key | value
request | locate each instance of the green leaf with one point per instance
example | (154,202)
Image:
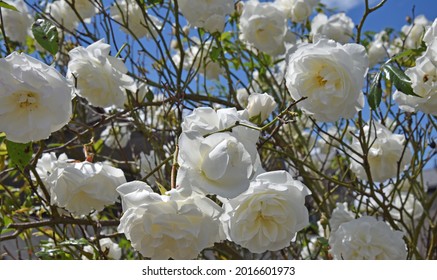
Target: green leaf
(401,81)
(375,94)
(225,36)
(8,6)
(214,54)
(98,146)
(46,35)
(20,154)
(150,96)
(74,242)
(161,188)
(2,136)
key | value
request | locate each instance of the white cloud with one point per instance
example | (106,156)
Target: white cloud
(344,5)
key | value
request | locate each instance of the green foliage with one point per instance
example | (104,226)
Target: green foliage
(20,154)
(375,94)
(401,81)
(5,5)
(46,35)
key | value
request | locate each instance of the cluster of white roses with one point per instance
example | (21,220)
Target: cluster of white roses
(71,13)
(217,156)
(37,98)
(79,187)
(221,188)
(423,77)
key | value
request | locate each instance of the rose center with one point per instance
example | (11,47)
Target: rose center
(321,81)
(27,100)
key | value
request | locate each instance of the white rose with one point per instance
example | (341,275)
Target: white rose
(367,239)
(206,120)
(100,78)
(197,59)
(47,165)
(116,136)
(341,214)
(331,76)
(62,12)
(264,27)
(209,14)
(414,33)
(242,97)
(423,78)
(17,24)
(216,164)
(260,106)
(168,226)
(386,150)
(128,13)
(338,27)
(35,99)
(269,214)
(297,10)
(431,33)
(85,186)
(378,49)
(112,250)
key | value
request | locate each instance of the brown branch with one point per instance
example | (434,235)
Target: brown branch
(367,12)
(20,227)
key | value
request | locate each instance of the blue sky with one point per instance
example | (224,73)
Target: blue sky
(392,14)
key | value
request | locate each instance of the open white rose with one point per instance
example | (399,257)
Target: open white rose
(130,15)
(62,12)
(338,27)
(367,239)
(236,151)
(297,10)
(17,24)
(260,106)
(35,99)
(99,77)
(209,14)
(264,27)
(85,186)
(331,76)
(423,78)
(168,226)
(386,152)
(269,214)
(217,164)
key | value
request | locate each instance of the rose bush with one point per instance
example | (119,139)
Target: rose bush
(229,129)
